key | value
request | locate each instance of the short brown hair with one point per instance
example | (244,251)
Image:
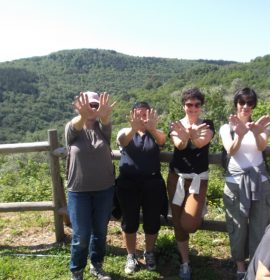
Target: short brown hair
(192,93)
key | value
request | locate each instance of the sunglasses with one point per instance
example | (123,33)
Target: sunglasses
(249,103)
(191,105)
(94,105)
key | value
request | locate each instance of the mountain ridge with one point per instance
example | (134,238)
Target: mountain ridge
(36,93)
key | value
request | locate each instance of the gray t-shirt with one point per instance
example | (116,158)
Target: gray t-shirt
(90,165)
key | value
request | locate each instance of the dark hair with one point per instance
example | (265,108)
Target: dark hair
(192,93)
(248,92)
(141,104)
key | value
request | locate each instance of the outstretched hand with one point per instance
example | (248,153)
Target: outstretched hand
(151,120)
(196,131)
(237,125)
(136,121)
(105,108)
(260,125)
(81,104)
(256,127)
(177,129)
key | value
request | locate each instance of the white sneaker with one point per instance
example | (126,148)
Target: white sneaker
(185,271)
(97,271)
(131,264)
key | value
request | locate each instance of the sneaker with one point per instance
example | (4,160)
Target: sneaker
(150,261)
(77,275)
(240,275)
(96,270)
(185,271)
(131,264)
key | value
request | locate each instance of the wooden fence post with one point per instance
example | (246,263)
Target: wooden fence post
(57,185)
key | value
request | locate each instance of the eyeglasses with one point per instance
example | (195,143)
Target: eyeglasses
(196,105)
(94,105)
(249,103)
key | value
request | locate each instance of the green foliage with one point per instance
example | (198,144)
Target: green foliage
(263,108)
(36,93)
(217,109)
(166,247)
(24,179)
(215,186)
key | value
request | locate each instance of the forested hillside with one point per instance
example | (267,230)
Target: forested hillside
(36,93)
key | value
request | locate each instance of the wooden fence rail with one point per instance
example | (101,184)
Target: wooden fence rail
(59,204)
(59,199)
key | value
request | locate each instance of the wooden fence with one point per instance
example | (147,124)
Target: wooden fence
(59,205)
(59,199)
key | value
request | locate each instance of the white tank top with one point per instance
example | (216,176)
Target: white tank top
(248,154)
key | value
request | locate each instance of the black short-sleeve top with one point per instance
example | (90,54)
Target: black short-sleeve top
(140,156)
(191,159)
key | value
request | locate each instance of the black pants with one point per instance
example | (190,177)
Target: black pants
(134,194)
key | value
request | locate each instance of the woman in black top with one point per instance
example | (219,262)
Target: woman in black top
(140,184)
(188,173)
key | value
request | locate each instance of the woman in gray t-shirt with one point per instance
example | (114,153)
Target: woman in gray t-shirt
(90,182)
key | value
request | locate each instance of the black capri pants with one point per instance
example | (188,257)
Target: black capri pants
(141,192)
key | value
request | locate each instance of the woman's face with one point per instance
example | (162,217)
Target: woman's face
(192,107)
(245,106)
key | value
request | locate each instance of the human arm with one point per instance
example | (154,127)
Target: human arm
(179,135)
(127,134)
(262,272)
(260,263)
(200,135)
(232,144)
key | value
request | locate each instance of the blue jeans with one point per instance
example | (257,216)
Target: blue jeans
(89,214)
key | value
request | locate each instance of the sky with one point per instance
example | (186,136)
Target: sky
(235,30)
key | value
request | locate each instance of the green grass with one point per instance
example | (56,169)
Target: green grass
(43,259)
(27,242)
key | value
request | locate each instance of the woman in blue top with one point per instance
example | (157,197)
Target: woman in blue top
(188,173)
(140,184)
